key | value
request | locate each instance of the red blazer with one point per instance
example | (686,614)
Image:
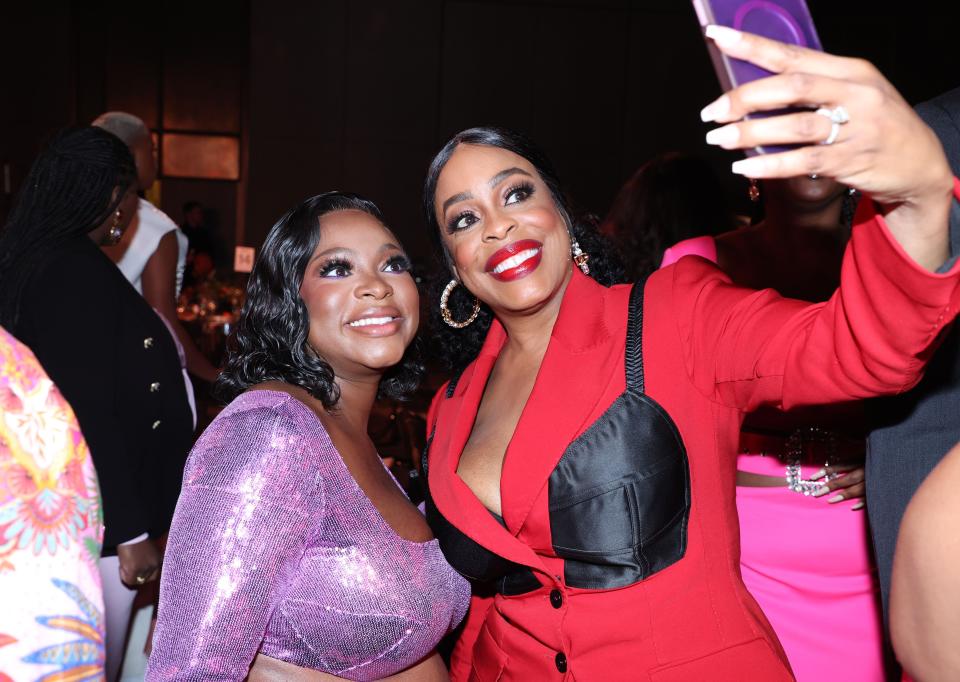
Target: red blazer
(712,352)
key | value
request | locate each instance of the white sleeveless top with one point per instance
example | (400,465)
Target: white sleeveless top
(140,242)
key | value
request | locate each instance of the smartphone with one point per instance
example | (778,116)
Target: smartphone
(788,21)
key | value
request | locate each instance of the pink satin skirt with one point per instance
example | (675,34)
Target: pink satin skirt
(809,565)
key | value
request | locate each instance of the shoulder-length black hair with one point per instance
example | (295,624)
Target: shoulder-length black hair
(456,348)
(76,182)
(270,342)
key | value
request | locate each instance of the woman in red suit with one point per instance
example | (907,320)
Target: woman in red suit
(582,459)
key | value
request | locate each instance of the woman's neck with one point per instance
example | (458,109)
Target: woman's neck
(528,332)
(796,252)
(352,412)
(793,223)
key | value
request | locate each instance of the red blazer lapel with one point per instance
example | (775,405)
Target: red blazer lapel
(573,377)
(457,503)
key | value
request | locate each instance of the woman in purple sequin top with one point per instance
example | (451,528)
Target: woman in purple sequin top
(293,553)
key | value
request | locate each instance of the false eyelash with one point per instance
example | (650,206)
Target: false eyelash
(332,264)
(402,261)
(452,223)
(525,186)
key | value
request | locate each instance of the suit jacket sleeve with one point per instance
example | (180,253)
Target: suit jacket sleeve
(77,317)
(943,115)
(748,348)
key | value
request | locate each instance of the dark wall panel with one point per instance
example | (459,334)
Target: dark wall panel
(390,106)
(38,86)
(133,72)
(358,95)
(554,72)
(343,98)
(295,114)
(204,65)
(669,80)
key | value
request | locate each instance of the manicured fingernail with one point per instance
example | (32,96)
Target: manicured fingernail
(749,167)
(726,136)
(722,35)
(822,490)
(835,498)
(858,505)
(820,474)
(717,108)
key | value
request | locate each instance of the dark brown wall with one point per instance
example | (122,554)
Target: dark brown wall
(345,97)
(358,94)
(67,62)
(37,85)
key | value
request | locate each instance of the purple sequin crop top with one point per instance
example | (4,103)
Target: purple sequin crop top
(275,549)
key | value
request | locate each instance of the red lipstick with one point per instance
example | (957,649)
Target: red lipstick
(515,260)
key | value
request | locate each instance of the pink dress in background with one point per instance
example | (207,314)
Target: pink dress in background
(807,563)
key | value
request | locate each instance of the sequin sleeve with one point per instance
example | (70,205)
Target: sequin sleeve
(249,505)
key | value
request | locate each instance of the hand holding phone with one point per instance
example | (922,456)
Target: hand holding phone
(880,146)
(786,21)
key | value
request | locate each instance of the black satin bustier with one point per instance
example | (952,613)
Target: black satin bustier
(619,497)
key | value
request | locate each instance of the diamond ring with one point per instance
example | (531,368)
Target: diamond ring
(838,116)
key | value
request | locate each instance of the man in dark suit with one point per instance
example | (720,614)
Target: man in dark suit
(912,433)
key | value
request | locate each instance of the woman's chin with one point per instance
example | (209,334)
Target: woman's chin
(382,361)
(526,295)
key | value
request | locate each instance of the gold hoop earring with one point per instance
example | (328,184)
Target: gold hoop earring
(116,232)
(445,311)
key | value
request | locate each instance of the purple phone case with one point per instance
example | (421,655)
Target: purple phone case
(788,21)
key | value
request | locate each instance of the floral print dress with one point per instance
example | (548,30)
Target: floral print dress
(51,529)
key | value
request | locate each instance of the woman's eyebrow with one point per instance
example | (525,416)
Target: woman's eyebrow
(499,177)
(492,182)
(328,252)
(456,198)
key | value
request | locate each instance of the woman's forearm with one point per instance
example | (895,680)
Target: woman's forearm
(197,363)
(920,227)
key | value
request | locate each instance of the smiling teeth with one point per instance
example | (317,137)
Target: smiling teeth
(367,321)
(514,261)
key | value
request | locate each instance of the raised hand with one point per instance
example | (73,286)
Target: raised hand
(877,143)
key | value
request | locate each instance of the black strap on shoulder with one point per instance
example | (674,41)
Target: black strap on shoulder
(634,350)
(452,386)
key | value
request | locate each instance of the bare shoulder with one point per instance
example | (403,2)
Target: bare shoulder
(738,250)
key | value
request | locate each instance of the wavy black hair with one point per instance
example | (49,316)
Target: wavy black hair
(456,348)
(76,182)
(270,341)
